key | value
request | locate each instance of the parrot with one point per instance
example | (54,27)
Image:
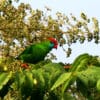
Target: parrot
(37,52)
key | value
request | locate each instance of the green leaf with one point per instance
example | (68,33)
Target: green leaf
(83,16)
(64,77)
(80,62)
(67,96)
(29,79)
(54,76)
(39,76)
(90,76)
(19,79)
(4,78)
(88,81)
(27,86)
(98,85)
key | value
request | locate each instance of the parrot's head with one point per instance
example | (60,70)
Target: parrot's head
(54,42)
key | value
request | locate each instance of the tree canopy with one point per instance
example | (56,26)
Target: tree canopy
(21,26)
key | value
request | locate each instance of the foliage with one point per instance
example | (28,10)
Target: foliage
(83,76)
(50,81)
(33,83)
(4,78)
(21,26)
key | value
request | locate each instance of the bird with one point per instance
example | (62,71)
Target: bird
(37,52)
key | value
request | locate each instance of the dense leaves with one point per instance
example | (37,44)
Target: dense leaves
(5,83)
(46,80)
(34,82)
(84,73)
(21,26)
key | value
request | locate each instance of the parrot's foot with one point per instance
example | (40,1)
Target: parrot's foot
(68,66)
(25,66)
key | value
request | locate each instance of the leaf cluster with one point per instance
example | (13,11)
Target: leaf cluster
(51,81)
(21,26)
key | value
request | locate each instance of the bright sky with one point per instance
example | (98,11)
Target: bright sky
(89,7)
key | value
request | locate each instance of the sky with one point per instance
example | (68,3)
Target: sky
(89,7)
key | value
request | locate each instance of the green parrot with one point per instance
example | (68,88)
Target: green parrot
(37,52)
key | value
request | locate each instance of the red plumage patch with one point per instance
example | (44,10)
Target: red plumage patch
(53,40)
